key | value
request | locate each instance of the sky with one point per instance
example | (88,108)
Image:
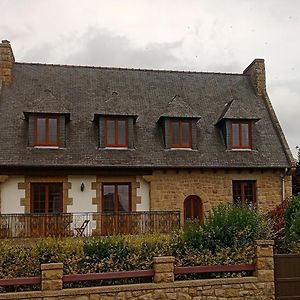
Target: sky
(191,35)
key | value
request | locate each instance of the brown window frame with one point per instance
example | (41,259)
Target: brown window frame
(116,204)
(180,145)
(242,186)
(116,143)
(46,118)
(240,137)
(46,184)
(192,199)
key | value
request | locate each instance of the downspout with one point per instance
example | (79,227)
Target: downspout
(282,176)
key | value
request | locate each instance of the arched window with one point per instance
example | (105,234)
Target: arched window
(193,210)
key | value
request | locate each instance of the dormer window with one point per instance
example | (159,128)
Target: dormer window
(241,137)
(180,134)
(46,131)
(116,132)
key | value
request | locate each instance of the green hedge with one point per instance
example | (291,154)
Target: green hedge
(225,237)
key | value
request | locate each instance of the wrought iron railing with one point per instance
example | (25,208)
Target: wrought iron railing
(87,224)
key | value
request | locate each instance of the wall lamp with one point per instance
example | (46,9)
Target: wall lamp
(82,187)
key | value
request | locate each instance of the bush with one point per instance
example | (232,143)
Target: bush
(225,237)
(228,226)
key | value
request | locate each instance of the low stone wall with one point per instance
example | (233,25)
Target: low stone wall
(260,286)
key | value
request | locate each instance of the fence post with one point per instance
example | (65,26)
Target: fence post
(52,275)
(265,266)
(163,269)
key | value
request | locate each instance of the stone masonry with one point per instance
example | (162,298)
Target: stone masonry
(168,189)
(6,61)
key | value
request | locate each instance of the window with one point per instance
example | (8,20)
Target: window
(46,198)
(116,132)
(116,197)
(180,134)
(46,131)
(241,135)
(193,210)
(244,192)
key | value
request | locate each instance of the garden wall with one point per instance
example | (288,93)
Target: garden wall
(259,286)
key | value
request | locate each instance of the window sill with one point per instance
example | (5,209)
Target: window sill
(242,150)
(115,148)
(180,149)
(46,147)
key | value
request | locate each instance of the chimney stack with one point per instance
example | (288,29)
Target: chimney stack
(6,62)
(256,72)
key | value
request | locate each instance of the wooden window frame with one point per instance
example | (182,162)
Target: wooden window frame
(116,205)
(116,143)
(180,145)
(47,143)
(240,137)
(46,184)
(242,185)
(200,203)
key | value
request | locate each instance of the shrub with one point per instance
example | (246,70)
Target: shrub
(228,226)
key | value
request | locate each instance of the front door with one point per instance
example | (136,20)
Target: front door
(193,209)
(46,208)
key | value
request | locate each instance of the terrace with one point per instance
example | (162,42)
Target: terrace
(87,224)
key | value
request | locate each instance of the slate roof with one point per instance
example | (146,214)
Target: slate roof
(85,91)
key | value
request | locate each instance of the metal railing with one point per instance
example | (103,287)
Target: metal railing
(87,224)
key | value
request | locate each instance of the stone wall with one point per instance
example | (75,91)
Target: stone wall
(170,188)
(260,286)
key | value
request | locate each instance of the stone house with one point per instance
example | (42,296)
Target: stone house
(78,139)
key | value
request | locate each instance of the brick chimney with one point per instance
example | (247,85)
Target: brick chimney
(6,62)
(256,72)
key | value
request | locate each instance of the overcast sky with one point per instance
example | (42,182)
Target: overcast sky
(195,35)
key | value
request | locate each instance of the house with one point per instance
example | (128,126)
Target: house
(77,139)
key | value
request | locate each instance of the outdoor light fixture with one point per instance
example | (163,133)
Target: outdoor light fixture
(82,187)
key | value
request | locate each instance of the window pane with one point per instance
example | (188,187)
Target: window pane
(196,209)
(41,131)
(39,197)
(108,198)
(175,133)
(249,193)
(237,192)
(235,135)
(188,209)
(245,134)
(122,132)
(123,198)
(185,127)
(110,132)
(54,205)
(52,129)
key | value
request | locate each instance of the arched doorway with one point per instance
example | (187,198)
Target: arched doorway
(193,209)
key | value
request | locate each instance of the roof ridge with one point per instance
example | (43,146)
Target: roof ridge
(131,69)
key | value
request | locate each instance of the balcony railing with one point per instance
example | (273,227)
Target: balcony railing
(87,224)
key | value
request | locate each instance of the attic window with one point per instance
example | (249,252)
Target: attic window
(116,132)
(180,134)
(241,137)
(46,131)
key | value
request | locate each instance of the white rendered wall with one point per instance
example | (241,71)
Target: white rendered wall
(144,192)
(11,195)
(82,201)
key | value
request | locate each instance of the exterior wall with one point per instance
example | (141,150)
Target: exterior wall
(82,200)
(168,189)
(144,193)
(10,195)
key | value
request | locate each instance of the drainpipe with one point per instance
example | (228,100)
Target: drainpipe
(282,176)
